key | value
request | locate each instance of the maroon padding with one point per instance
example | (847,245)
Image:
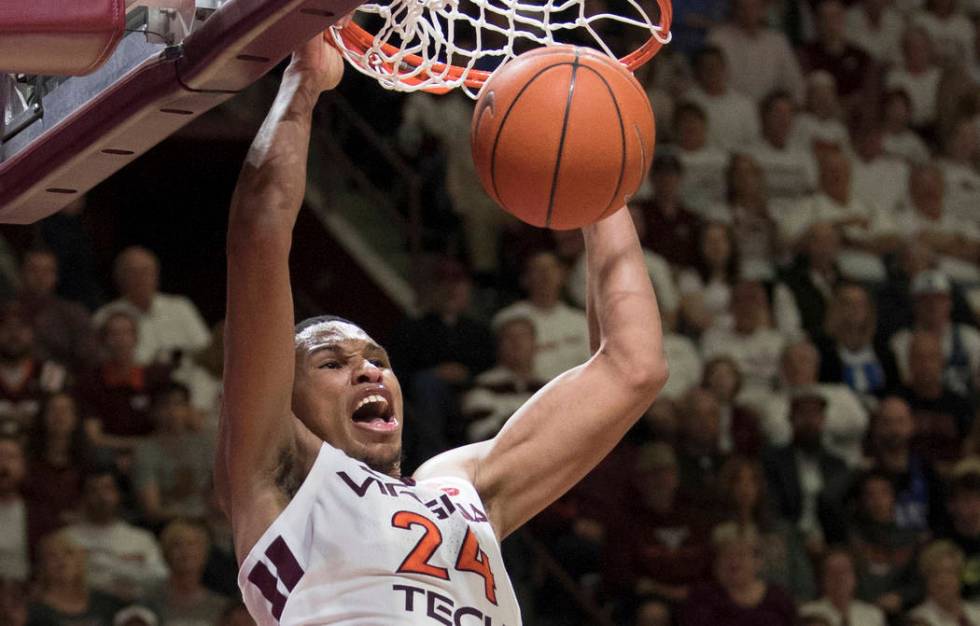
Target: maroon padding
(59,37)
(233,49)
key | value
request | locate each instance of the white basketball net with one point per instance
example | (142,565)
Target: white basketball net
(435,32)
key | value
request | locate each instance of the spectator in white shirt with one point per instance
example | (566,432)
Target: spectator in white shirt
(898,139)
(960,172)
(879,180)
(846,418)
(941,566)
(838,602)
(749,340)
(875,27)
(170,325)
(755,232)
(703,165)
(820,125)
(733,118)
(123,560)
(918,76)
(790,173)
(706,288)
(760,58)
(498,392)
(950,30)
(867,234)
(562,331)
(925,218)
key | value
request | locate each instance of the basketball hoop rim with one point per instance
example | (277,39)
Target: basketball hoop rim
(358,41)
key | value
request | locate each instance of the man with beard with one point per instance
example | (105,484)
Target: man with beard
(807,483)
(24,379)
(326,529)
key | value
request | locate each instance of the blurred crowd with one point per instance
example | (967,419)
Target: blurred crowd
(811,224)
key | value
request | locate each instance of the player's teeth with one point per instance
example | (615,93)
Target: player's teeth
(369,399)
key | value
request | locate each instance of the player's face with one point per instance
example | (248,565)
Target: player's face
(347,394)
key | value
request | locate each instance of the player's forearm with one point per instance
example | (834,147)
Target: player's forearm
(272,183)
(624,306)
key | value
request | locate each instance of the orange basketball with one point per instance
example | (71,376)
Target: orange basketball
(562,136)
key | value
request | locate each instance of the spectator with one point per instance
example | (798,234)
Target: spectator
(790,173)
(123,560)
(812,277)
(686,366)
(884,552)
(851,68)
(942,417)
(849,350)
(839,583)
(236,615)
(660,547)
(63,330)
(135,615)
(941,566)
(875,26)
(878,179)
(699,456)
(183,600)
(821,125)
(750,341)
(918,77)
(437,355)
(703,164)
(15,544)
(807,482)
(917,489)
(562,331)
(958,164)
(13,602)
(58,453)
(760,57)
(866,233)
(899,139)
(753,227)
(926,218)
(738,424)
(706,288)
(68,236)
(846,418)
(498,392)
(744,501)
(63,597)
(733,120)
(960,343)
(116,395)
(24,378)
(173,467)
(964,531)
(651,612)
(949,29)
(169,325)
(737,596)
(671,228)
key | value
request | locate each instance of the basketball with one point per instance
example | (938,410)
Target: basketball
(562,136)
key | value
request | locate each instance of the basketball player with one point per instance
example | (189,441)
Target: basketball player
(326,529)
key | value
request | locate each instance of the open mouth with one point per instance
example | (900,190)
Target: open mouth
(375,412)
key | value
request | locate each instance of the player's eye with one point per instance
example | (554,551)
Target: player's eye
(378,363)
(330,365)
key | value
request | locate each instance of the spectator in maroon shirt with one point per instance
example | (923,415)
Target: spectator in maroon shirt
(672,229)
(117,393)
(850,66)
(57,456)
(659,547)
(63,329)
(738,596)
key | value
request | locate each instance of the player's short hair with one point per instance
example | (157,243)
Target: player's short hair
(320,319)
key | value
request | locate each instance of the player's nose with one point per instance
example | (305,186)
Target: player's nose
(368,372)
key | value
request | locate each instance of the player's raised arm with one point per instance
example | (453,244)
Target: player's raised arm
(571,424)
(259,347)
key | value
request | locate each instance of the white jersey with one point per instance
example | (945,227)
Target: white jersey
(355,546)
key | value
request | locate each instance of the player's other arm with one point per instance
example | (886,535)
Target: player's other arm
(571,424)
(259,345)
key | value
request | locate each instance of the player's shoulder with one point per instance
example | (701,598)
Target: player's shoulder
(459,463)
